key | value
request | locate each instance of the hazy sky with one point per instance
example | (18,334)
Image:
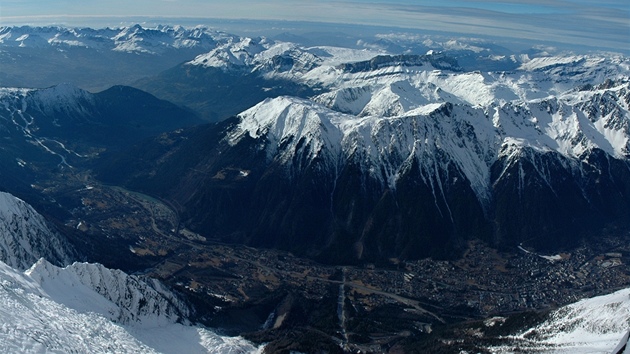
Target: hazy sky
(603,23)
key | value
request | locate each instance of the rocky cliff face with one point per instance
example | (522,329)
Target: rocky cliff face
(25,236)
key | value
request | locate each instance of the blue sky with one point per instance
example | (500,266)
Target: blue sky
(604,23)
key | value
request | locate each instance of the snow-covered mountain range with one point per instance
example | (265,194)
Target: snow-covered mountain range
(382,79)
(386,124)
(436,152)
(531,76)
(473,137)
(345,155)
(95,59)
(131,39)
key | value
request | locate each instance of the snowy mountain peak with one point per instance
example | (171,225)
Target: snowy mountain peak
(64,97)
(235,52)
(291,126)
(26,236)
(261,55)
(383,146)
(388,132)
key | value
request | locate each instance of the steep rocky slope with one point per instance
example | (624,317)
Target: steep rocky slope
(25,236)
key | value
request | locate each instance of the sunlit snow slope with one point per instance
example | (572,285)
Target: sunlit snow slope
(593,325)
(70,310)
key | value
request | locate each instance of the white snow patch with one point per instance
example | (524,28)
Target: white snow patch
(593,325)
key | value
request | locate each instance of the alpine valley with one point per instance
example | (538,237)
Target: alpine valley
(400,193)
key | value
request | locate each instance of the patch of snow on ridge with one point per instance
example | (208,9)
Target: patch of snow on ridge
(334,56)
(547,61)
(291,123)
(351,100)
(593,325)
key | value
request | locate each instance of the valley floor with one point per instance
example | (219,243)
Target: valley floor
(267,293)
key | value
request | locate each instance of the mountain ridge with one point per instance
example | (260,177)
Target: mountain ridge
(473,162)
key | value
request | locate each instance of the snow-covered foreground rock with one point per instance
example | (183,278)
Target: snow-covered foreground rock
(120,297)
(593,325)
(83,307)
(70,310)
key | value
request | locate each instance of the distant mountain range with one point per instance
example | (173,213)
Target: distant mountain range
(95,59)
